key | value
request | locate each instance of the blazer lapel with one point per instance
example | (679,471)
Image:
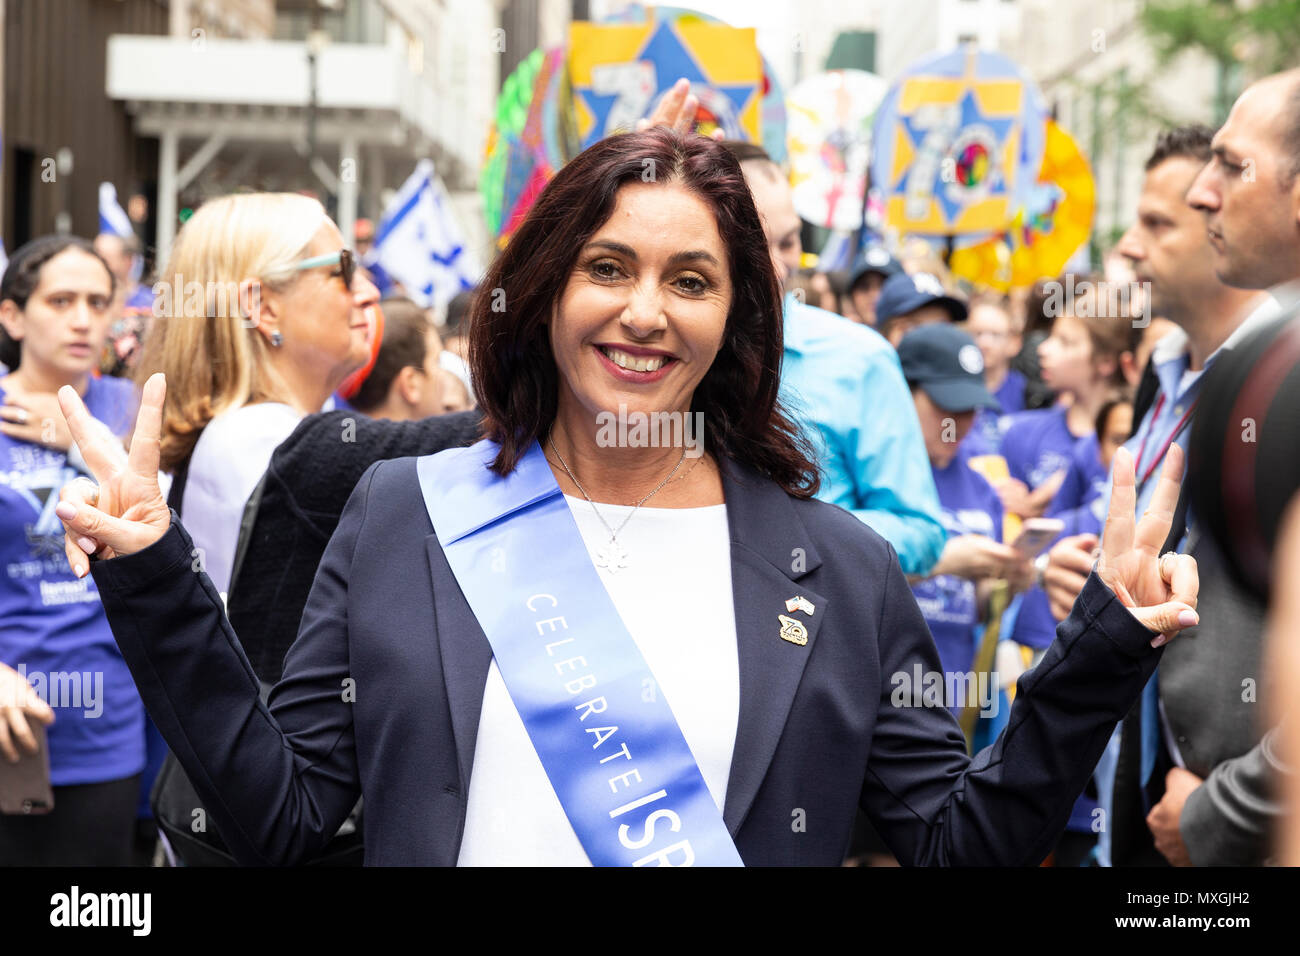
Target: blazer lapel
(466,656)
(770,551)
(467,496)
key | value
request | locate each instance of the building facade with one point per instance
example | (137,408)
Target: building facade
(174,101)
(62,134)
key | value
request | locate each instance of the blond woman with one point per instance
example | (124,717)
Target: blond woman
(259,320)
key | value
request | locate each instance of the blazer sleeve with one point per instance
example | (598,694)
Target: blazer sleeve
(935,806)
(278,780)
(1231,818)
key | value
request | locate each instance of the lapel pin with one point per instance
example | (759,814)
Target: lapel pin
(793,631)
(799,603)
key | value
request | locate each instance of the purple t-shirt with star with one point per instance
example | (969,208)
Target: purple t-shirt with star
(52,626)
(970,506)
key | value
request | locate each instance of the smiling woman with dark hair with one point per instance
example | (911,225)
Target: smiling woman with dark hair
(587,640)
(574,245)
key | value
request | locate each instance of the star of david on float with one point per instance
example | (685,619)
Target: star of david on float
(971,122)
(671,59)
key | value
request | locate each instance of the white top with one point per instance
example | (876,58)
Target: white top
(228,461)
(675,598)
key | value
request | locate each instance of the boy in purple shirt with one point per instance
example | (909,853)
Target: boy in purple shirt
(944,370)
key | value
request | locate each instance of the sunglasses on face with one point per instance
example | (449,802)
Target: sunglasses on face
(344,258)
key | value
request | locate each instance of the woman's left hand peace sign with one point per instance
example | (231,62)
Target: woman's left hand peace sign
(1159,590)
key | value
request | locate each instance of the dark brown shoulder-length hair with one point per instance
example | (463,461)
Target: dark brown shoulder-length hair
(515,376)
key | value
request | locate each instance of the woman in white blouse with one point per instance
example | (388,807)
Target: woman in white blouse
(261,318)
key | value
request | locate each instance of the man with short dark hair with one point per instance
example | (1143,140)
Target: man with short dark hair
(1182,779)
(406,383)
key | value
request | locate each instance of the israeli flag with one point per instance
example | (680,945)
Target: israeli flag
(837,253)
(112,217)
(420,245)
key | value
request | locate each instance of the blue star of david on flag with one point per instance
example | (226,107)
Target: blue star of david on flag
(419,244)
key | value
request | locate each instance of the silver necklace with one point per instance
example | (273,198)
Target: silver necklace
(613,555)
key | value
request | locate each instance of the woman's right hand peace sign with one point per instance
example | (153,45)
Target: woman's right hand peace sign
(1160,590)
(127,512)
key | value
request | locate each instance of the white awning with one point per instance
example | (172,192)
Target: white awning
(220,91)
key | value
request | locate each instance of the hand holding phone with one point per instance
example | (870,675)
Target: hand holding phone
(1036,534)
(24,755)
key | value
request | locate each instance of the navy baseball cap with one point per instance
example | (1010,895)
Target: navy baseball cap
(903,293)
(874,258)
(947,365)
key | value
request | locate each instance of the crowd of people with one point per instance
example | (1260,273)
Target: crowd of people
(268,535)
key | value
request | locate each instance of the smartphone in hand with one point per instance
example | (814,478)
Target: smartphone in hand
(1036,534)
(25,785)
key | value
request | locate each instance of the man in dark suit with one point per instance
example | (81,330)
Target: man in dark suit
(1213,804)
(1193,767)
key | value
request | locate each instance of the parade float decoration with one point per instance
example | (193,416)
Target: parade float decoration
(1046,232)
(829,120)
(609,75)
(957,144)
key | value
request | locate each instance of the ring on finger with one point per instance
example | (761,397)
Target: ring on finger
(92,491)
(1167,562)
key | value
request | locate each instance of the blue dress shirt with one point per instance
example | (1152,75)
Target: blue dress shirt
(843,383)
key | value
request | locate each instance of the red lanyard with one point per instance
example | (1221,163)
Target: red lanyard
(1178,430)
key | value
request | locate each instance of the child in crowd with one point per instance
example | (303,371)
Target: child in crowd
(994,331)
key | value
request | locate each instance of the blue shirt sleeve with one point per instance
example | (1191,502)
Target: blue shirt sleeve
(1070,494)
(993,504)
(1076,502)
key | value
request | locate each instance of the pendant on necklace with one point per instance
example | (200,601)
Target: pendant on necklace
(611,557)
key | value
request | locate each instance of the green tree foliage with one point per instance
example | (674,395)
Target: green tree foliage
(1262,36)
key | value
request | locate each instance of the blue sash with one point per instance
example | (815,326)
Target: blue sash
(613,752)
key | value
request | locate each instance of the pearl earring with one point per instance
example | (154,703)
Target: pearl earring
(277,339)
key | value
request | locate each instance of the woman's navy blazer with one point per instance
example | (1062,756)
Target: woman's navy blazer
(382,692)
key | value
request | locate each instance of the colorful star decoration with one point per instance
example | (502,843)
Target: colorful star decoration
(957,141)
(971,165)
(620,72)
